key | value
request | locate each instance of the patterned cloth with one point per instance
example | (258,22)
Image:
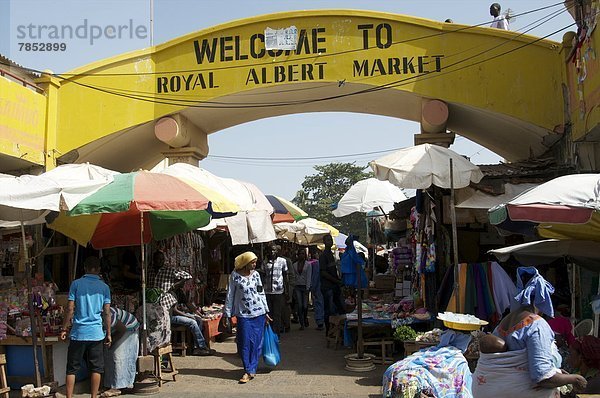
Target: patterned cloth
(167,277)
(245,296)
(436,372)
(167,300)
(274,275)
(164,280)
(158,325)
(129,320)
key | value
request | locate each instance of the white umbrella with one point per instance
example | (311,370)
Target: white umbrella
(583,252)
(367,194)
(252,224)
(306,232)
(422,166)
(29,197)
(26,199)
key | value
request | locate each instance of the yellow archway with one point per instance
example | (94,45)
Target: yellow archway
(503,90)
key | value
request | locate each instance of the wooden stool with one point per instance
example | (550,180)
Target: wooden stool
(383,343)
(4,388)
(157,354)
(335,334)
(179,339)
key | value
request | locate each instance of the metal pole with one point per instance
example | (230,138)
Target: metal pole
(596,316)
(454,238)
(32,317)
(143,255)
(360,349)
(74,271)
(151,23)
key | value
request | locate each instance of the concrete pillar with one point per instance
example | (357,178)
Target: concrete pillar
(50,85)
(434,118)
(187,142)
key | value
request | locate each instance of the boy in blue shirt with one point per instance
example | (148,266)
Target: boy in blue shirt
(89,308)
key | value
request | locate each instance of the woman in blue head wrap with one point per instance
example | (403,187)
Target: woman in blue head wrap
(528,368)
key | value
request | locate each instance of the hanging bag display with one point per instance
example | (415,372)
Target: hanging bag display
(270,349)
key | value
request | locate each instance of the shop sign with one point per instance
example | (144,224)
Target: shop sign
(310,44)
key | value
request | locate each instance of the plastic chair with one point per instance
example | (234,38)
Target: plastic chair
(584,328)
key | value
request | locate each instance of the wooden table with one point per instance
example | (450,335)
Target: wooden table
(210,329)
(52,362)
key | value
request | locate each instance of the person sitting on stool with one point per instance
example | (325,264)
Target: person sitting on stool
(189,319)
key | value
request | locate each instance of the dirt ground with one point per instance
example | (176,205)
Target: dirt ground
(307,369)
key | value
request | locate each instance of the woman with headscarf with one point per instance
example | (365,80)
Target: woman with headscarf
(246,301)
(529,367)
(584,357)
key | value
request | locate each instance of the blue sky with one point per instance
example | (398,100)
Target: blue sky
(321,134)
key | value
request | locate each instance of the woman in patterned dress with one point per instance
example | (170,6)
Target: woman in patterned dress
(246,301)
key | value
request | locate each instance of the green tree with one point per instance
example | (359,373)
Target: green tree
(321,191)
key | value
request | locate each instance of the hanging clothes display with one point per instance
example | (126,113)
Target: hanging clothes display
(424,239)
(486,290)
(184,252)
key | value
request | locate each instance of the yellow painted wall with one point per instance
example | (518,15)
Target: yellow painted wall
(583,81)
(22,122)
(339,45)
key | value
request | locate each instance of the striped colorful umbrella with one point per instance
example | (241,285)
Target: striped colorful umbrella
(142,203)
(566,207)
(284,210)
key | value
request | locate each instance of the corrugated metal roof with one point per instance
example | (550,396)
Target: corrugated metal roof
(542,168)
(17,69)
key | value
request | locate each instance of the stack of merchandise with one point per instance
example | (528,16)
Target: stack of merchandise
(406,313)
(14,307)
(401,259)
(430,338)
(401,262)
(214,311)
(3,318)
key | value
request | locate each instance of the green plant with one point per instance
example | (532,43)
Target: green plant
(404,333)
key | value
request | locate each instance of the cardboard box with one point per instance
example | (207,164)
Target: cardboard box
(385,281)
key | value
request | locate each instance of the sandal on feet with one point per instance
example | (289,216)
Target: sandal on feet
(113,392)
(245,378)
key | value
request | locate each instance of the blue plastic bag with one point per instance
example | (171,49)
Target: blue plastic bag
(270,349)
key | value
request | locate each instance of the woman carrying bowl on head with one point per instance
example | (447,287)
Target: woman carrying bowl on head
(246,301)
